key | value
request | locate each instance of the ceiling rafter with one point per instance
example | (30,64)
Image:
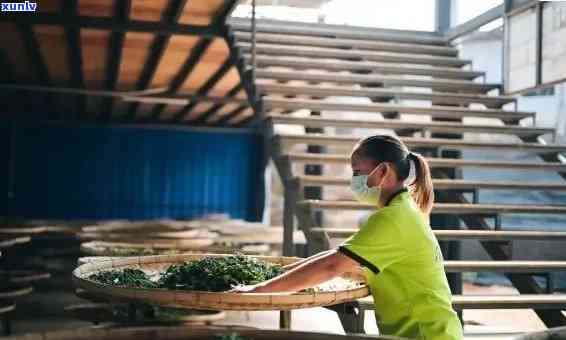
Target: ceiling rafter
(158,46)
(230,94)
(121,13)
(74,55)
(196,54)
(103,23)
(33,51)
(210,83)
(224,120)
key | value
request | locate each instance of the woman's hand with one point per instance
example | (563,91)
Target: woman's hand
(247,289)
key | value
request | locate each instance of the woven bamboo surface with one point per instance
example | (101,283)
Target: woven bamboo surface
(23,276)
(145,238)
(205,300)
(185,333)
(105,312)
(104,248)
(10,241)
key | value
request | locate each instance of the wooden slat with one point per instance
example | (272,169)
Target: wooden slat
(329,91)
(363,66)
(413,142)
(445,208)
(407,125)
(444,184)
(134,53)
(201,12)
(523,301)
(433,162)
(402,124)
(338,31)
(444,84)
(148,10)
(178,48)
(212,59)
(53,44)
(458,234)
(14,48)
(94,50)
(348,43)
(319,52)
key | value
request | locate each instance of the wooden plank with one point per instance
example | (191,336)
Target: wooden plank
(459,234)
(329,91)
(444,208)
(94,50)
(405,124)
(320,52)
(363,66)
(212,59)
(53,45)
(134,53)
(178,48)
(375,45)
(433,162)
(414,142)
(443,184)
(201,12)
(523,301)
(339,31)
(397,124)
(386,81)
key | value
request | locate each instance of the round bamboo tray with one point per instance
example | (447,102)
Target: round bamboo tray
(23,276)
(143,236)
(206,300)
(10,241)
(550,334)
(120,313)
(186,333)
(105,248)
(6,307)
(11,291)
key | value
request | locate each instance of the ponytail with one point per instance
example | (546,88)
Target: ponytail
(421,189)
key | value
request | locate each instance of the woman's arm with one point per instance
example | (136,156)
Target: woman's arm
(300,262)
(309,274)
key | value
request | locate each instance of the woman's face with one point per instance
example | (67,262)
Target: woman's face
(379,172)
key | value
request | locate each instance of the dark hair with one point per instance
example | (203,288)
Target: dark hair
(384,148)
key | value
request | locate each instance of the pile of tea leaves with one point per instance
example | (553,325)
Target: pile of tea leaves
(128,277)
(212,274)
(218,274)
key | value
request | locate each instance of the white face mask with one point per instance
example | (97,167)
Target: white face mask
(362,192)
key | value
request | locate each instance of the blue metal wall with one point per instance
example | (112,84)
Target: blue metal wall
(98,172)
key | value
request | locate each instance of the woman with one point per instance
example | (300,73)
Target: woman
(395,246)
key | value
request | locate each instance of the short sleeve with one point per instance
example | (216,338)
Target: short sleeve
(377,244)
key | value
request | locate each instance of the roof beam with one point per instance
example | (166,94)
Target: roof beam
(74,55)
(210,112)
(111,24)
(158,46)
(114,56)
(33,51)
(224,120)
(210,83)
(195,55)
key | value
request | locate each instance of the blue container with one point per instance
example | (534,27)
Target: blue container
(96,172)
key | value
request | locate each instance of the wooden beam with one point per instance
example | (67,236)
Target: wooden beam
(33,51)
(219,74)
(224,120)
(158,46)
(121,13)
(111,24)
(195,55)
(210,112)
(74,55)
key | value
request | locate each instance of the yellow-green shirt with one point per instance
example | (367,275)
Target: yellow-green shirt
(405,272)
